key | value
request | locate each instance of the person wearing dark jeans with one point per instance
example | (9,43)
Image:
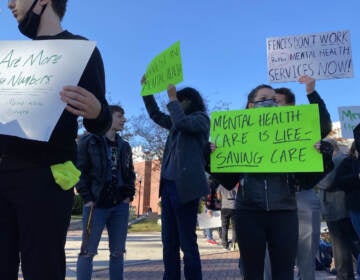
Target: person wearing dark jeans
(182,180)
(346,245)
(266,209)
(180,220)
(345,242)
(263,228)
(227,213)
(347,178)
(226,216)
(29,194)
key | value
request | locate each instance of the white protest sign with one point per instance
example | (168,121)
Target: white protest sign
(206,221)
(349,118)
(32,74)
(321,55)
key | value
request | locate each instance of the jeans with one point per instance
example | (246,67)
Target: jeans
(345,243)
(178,230)
(116,221)
(34,217)
(226,216)
(309,232)
(355,220)
(276,229)
(209,233)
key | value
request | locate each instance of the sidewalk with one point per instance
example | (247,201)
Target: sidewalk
(143,259)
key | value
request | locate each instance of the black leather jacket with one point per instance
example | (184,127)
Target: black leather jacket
(94,164)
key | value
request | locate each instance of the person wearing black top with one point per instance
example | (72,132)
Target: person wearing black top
(107,185)
(347,178)
(29,196)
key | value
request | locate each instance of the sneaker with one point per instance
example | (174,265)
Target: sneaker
(226,248)
(211,241)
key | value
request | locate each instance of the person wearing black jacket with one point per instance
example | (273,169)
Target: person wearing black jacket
(107,185)
(266,209)
(28,192)
(182,180)
(347,178)
(308,202)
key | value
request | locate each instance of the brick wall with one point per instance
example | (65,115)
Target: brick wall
(147,185)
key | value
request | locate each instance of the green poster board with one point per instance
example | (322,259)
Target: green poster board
(164,69)
(277,139)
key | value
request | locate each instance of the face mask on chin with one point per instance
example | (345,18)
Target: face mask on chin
(265,103)
(30,24)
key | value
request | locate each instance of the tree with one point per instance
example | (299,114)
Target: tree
(142,131)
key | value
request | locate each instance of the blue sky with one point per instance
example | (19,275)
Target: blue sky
(223,43)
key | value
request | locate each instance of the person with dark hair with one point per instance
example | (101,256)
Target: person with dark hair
(308,202)
(265,212)
(266,208)
(212,203)
(344,240)
(347,178)
(227,214)
(107,185)
(284,96)
(29,194)
(182,181)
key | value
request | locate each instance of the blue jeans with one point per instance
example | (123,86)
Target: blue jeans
(178,222)
(116,221)
(309,232)
(355,220)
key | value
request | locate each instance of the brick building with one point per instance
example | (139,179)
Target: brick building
(146,184)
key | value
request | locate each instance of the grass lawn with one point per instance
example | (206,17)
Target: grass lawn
(149,224)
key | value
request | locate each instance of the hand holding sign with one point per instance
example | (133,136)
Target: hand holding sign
(32,73)
(80,102)
(171,92)
(309,83)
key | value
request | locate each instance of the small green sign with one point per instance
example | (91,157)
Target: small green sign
(164,69)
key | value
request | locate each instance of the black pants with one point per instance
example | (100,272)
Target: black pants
(345,244)
(278,229)
(226,216)
(34,217)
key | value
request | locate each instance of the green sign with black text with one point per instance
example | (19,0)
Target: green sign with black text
(276,139)
(164,69)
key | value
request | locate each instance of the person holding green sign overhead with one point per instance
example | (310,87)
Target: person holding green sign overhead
(183,181)
(266,209)
(307,201)
(35,188)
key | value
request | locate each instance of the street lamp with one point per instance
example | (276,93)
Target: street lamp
(138,208)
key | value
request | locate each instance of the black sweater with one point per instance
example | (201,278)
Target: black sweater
(61,146)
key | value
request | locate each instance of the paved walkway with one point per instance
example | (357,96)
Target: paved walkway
(143,259)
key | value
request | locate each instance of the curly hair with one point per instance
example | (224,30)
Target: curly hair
(196,101)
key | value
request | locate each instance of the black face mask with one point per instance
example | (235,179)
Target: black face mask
(265,103)
(30,24)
